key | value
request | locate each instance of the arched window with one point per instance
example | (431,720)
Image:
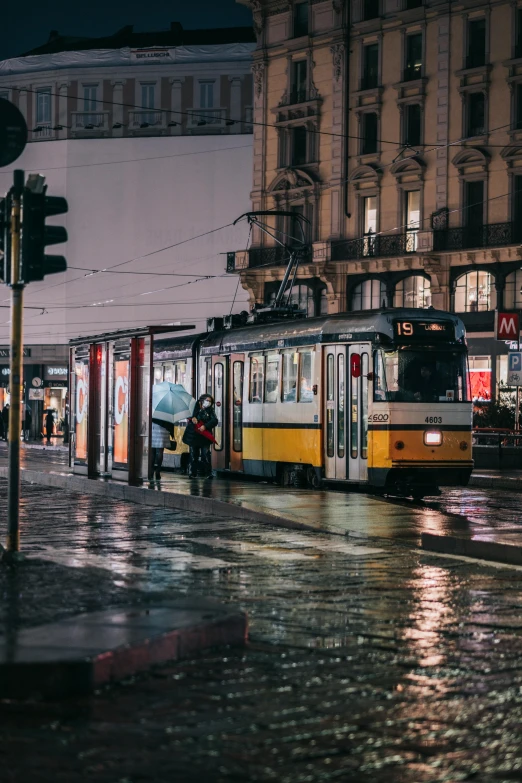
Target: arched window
(475,291)
(369,295)
(305,297)
(413,291)
(513,291)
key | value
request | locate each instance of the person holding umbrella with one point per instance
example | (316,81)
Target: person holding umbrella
(170,405)
(198,435)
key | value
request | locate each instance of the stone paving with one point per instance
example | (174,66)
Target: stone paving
(367,661)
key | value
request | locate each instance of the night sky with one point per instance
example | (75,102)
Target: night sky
(29,23)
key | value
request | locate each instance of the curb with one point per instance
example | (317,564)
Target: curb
(484,482)
(148,497)
(74,656)
(479,549)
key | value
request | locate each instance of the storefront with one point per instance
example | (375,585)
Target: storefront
(45,386)
(111,382)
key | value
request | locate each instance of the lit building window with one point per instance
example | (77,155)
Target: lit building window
(369,295)
(474,292)
(513,291)
(413,291)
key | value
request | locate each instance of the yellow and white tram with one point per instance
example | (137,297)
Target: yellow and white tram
(375,398)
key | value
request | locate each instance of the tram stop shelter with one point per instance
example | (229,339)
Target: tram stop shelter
(111,377)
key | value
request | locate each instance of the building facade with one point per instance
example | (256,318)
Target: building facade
(395,127)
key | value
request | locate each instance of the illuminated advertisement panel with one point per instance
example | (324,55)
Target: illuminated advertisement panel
(480,381)
(121,412)
(82,399)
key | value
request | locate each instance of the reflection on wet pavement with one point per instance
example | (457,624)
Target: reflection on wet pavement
(366,663)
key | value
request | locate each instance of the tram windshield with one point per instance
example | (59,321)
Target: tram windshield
(418,375)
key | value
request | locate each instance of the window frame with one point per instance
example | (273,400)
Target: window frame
(47,91)
(492,294)
(270,355)
(473,60)
(364,70)
(289,352)
(410,74)
(259,358)
(407,107)
(311,353)
(364,137)
(298,32)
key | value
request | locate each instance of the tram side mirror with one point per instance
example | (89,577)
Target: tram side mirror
(355,365)
(370,376)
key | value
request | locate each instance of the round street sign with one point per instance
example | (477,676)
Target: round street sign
(13,133)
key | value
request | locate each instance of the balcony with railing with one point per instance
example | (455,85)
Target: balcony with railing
(209,119)
(375,246)
(471,237)
(89,121)
(147,119)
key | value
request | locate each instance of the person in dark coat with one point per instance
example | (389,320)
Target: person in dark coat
(5,420)
(28,420)
(49,425)
(204,415)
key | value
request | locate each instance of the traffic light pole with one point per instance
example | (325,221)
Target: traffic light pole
(16,374)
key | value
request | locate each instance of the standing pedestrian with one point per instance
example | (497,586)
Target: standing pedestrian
(160,440)
(5,419)
(203,419)
(49,424)
(28,422)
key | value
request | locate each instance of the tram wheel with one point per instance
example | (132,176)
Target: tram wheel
(314,481)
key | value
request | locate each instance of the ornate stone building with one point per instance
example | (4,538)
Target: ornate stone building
(395,127)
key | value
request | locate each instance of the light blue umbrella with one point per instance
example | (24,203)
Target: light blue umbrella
(171,403)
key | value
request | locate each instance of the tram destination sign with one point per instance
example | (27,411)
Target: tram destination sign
(423,330)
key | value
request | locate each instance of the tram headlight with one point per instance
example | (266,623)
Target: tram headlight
(433,438)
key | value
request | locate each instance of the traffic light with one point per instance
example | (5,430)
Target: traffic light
(36,207)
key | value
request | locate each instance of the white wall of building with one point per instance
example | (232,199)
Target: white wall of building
(128,198)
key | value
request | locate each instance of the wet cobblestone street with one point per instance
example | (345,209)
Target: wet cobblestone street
(367,661)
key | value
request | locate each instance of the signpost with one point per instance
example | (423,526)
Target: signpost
(508,328)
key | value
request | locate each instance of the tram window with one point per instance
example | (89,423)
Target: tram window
(364,405)
(290,365)
(330,451)
(272,378)
(306,393)
(420,376)
(181,374)
(205,382)
(237,413)
(218,398)
(168,373)
(379,379)
(340,405)
(257,374)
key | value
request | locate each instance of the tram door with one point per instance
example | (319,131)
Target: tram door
(237,372)
(219,392)
(346,411)
(357,394)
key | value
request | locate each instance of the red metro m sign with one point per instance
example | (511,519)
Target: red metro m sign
(508,327)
